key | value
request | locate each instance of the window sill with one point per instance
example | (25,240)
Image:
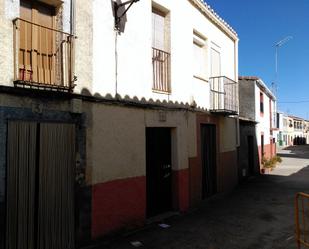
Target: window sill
(161,92)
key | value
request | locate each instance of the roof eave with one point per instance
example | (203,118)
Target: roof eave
(216,19)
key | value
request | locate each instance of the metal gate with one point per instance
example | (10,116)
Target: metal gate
(40,185)
(302,220)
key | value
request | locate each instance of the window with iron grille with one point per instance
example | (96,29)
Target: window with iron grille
(160,51)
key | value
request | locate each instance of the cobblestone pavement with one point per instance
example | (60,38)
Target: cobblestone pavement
(258,214)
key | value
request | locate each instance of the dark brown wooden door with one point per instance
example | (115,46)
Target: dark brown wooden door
(250,155)
(209,160)
(40,186)
(158,171)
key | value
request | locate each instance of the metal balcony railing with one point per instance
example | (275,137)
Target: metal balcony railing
(223,95)
(161,71)
(302,220)
(44,57)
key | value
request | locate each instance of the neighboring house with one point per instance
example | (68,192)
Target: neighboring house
(294,130)
(43,195)
(306,131)
(257,104)
(298,130)
(290,131)
(280,127)
(284,132)
(183,137)
(106,128)
(248,151)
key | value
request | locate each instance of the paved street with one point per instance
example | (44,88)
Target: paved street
(259,214)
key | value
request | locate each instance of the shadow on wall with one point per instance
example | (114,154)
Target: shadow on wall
(135,101)
(248,152)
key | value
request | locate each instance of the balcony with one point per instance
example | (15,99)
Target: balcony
(223,96)
(161,71)
(43,57)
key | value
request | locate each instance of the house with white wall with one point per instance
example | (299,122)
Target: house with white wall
(298,130)
(306,131)
(293,130)
(284,126)
(124,114)
(260,106)
(190,74)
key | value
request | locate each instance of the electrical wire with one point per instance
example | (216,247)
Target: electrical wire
(293,102)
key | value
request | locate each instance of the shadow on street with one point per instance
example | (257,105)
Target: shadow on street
(258,214)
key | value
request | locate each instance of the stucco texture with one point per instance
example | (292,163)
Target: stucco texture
(116,141)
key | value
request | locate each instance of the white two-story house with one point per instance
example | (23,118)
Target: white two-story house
(112,113)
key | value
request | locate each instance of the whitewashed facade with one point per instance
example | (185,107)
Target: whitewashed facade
(170,69)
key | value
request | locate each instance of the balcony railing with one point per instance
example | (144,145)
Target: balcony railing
(161,71)
(43,57)
(223,95)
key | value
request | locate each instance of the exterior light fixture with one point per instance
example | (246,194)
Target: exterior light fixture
(118,16)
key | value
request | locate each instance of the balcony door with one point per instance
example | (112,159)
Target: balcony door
(160,51)
(37,42)
(217,84)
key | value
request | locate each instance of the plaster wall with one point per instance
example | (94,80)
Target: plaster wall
(115,129)
(228,134)
(133,50)
(247,107)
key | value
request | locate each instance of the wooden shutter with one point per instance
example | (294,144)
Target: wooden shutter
(158,31)
(37,43)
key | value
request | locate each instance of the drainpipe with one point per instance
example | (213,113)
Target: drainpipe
(72,15)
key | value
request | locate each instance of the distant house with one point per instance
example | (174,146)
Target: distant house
(284,126)
(257,105)
(297,130)
(306,131)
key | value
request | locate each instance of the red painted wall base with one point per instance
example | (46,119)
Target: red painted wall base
(118,204)
(181,189)
(122,203)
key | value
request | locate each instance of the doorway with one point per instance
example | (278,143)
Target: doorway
(262,146)
(40,185)
(250,155)
(209,160)
(158,171)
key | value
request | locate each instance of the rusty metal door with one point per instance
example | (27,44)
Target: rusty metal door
(40,185)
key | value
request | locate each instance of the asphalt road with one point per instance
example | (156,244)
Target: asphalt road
(258,214)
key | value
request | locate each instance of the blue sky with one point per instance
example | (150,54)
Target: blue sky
(260,24)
